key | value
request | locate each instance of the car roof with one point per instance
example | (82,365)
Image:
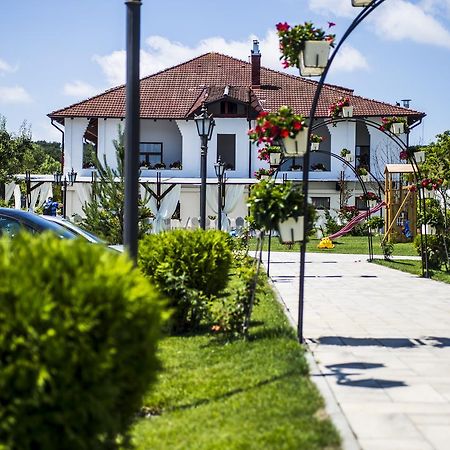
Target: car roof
(36,222)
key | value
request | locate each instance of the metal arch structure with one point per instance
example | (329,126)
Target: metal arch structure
(359,18)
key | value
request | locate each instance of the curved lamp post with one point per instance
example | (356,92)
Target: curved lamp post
(368,8)
(205,125)
(219,168)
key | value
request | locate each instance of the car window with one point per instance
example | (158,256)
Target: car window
(9,227)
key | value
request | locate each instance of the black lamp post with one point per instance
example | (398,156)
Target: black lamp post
(132,115)
(28,188)
(205,125)
(58,179)
(219,168)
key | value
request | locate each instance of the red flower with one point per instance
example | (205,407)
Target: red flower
(282,26)
(263,114)
(284,133)
(404,154)
(285,64)
(412,188)
(297,126)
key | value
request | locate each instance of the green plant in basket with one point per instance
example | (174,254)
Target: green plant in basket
(271,203)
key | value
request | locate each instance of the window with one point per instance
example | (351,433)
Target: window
(226,149)
(150,153)
(89,154)
(321,202)
(362,156)
(228,108)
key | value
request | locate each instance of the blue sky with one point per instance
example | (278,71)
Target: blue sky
(55,53)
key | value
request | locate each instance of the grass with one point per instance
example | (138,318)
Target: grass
(345,244)
(415,268)
(216,393)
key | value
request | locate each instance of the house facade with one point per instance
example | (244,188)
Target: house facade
(234,92)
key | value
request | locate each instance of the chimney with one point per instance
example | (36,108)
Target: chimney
(256,64)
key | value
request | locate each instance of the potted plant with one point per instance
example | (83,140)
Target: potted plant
(284,127)
(361,3)
(319,167)
(363,173)
(340,108)
(346,154)
(315,142)
(394,124)
(143,165)
(371,198)
(271,154)
(176,165)
(305,47)
(159,166)
(296,167)
(280,206)
(263,174)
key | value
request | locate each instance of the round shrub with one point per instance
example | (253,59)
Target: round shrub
(189,267)
(78,333)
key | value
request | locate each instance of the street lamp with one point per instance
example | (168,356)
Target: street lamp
(219,168)
(58,179)
(205,125)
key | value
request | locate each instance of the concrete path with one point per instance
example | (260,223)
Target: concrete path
(380,345)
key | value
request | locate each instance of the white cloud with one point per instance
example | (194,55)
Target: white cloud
(14,94)
(339,8)
(5,67)
(79,89)
(400,20)
(349,59)
(160,53)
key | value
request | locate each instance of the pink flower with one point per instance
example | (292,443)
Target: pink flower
(282,26)
(285,64)
(404,154)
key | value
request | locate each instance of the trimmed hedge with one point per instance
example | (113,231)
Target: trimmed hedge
(189,267)
(78,332)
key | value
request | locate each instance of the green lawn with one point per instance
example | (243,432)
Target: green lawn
(236,394)
(344,244)
(414,267)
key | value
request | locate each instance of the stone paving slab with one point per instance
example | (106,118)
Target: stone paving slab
(380,340)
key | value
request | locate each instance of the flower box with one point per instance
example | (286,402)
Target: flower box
(296,146)
(420,156)
(292,230)
(371,203)
(365,178)
(275,159)
(398,128)
(315,146)
(347,111)
(348,158)
(314,58)
(264,177)
(361,3)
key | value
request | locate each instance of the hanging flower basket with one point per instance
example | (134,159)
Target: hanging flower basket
(264,174)
(305,47)
(275,159)
(371,203)
(347,111)
(340,108)
(315,146)
(361,3)
(296,146)
(314,58)
(346,154)
(275,126)
(396,125)
(292,230)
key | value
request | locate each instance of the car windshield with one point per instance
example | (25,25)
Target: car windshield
(80,231)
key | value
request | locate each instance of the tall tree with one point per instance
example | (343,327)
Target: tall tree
(104,213)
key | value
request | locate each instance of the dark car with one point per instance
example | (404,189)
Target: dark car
(12,221)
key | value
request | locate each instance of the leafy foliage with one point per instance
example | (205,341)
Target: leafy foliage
(77,344)
(190,268)
(436,248)
(104,212)
(271,203)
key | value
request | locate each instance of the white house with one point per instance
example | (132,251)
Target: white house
(234,91)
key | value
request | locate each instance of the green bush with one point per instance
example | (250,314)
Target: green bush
(78,333)
(231,311)
(435,248)
(189,267)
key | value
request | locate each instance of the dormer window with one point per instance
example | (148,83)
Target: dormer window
(227,107)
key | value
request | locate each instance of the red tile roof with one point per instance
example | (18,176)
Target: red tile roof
(175,93)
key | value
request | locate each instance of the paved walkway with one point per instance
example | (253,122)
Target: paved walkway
(380,340)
